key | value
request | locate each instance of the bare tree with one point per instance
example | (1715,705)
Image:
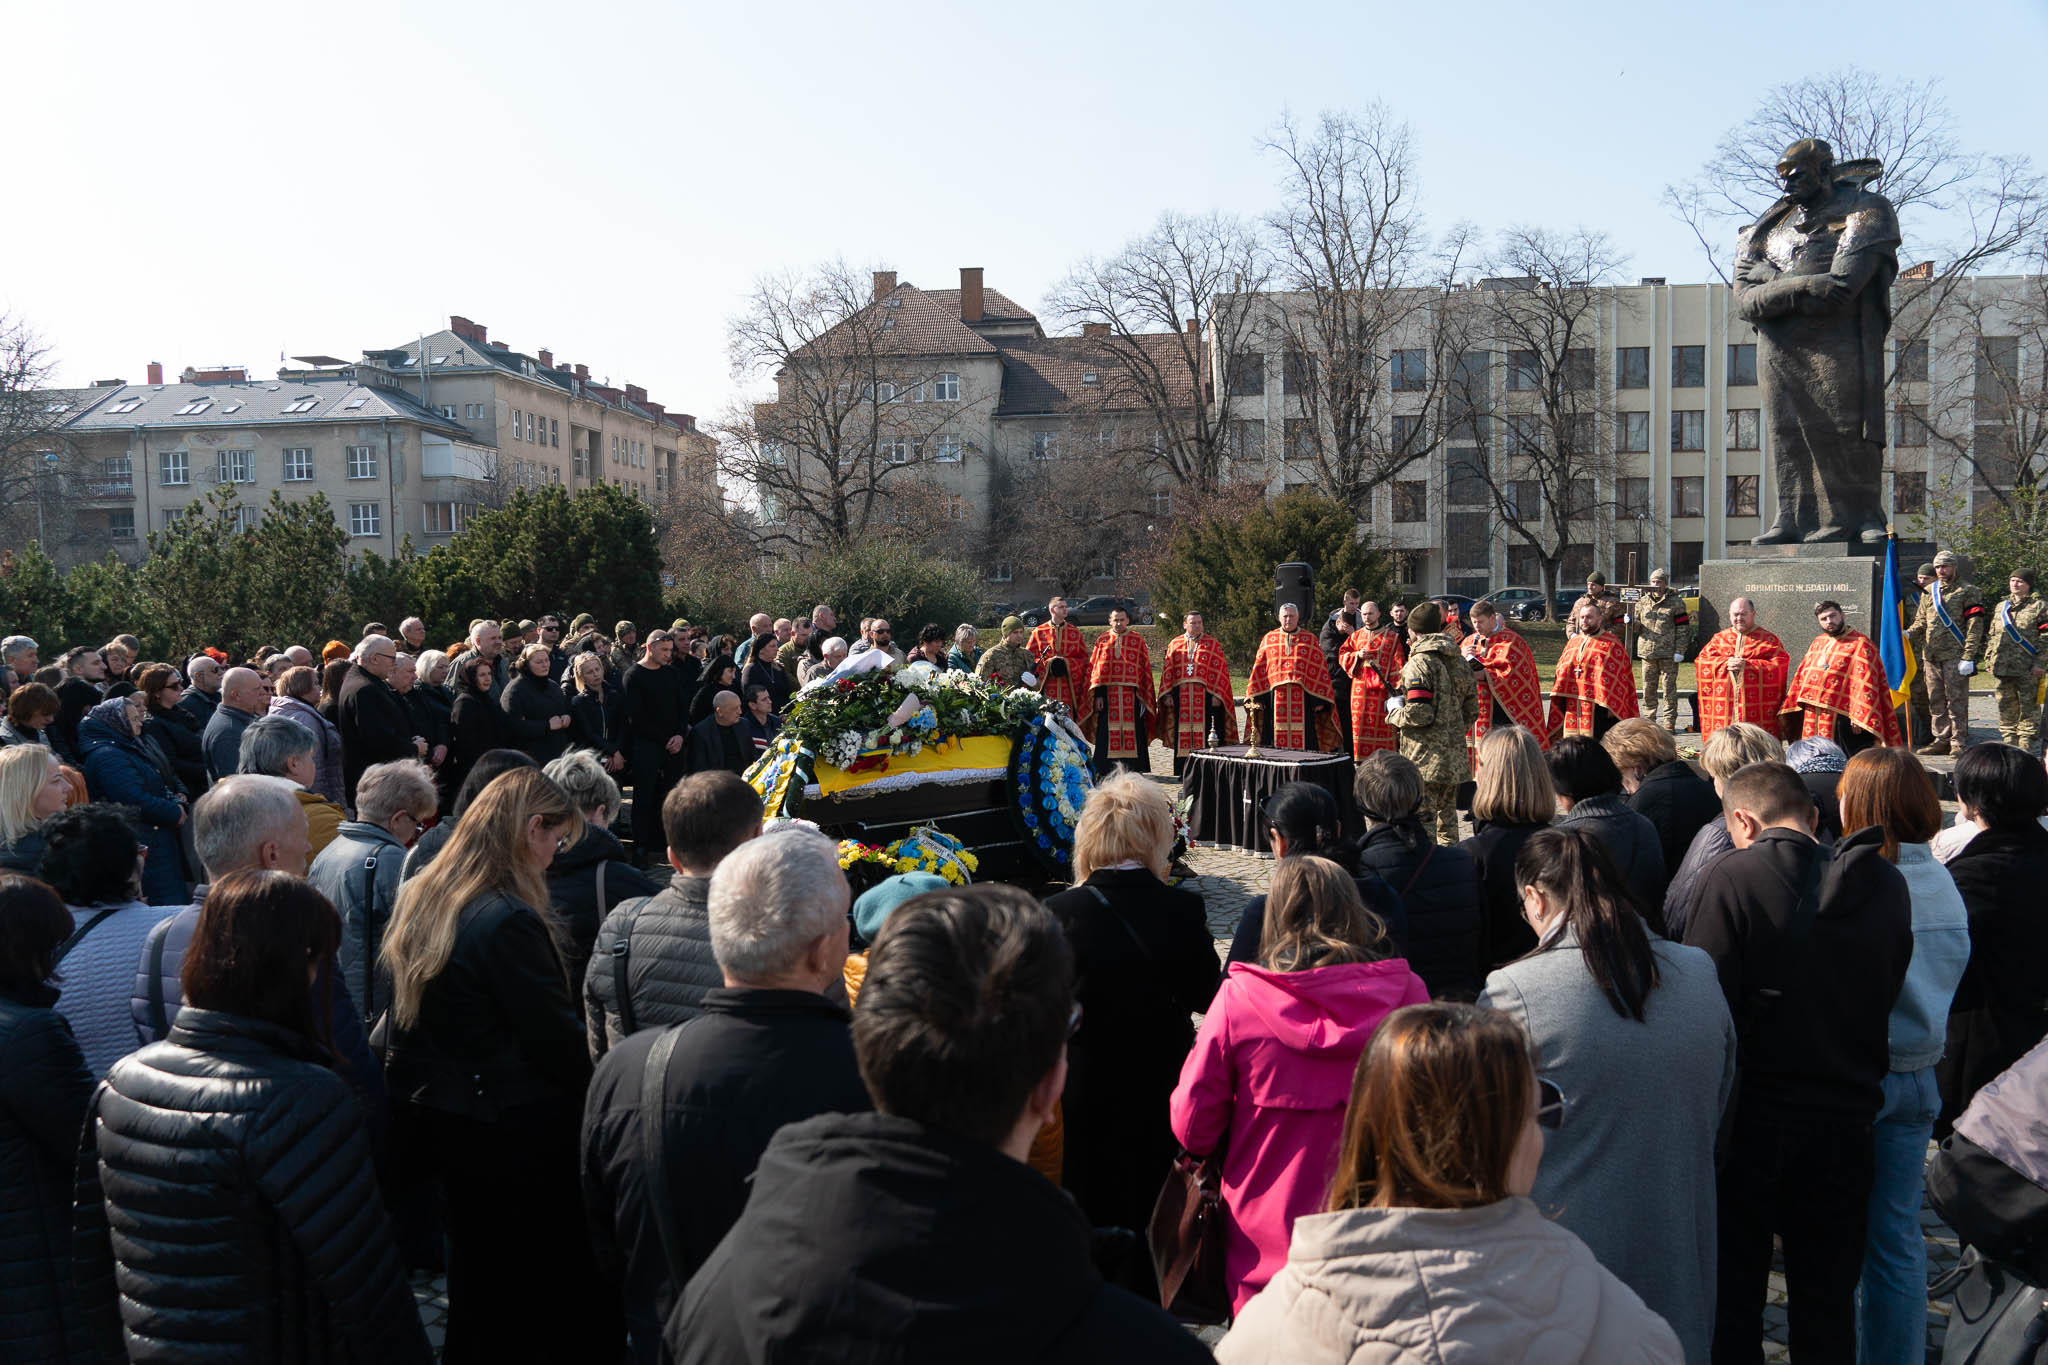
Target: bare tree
(1961,209)
(37,458)
(1542,458)
(1359,281)
(1156,307)
(855,412)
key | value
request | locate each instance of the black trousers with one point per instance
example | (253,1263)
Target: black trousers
(1807,1181)
(655,773)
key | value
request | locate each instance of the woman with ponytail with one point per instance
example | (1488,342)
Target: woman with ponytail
(1616,1014)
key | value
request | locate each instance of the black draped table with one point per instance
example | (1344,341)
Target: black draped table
(1229,790)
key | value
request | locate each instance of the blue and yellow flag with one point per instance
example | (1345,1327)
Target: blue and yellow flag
(1892,646)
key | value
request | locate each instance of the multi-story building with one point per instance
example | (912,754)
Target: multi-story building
(1684,467)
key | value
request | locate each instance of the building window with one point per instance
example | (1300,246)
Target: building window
(894,449)
(1689,496)
(1411,370)
(117,472)
(1911,365)
(1689,429)
(1248,440)
(1524,433)
(1525,565)
(448,410)
(1045,445)
(515,424)
(362,462)
(366,518)
(173,515)
(945,388)
(1411,433)
(472,410)
(531,423)
(1297,371)
(1525,371)
(1688,367)
(121,523)
(955,508)
(1411,500)
(1632,433)
(1742,495)
(554,433)
(246,517)
(237,466)
(173,468)
(1162,502)
(1634,496)
(1909,492)
(1581,496)
(998,572)
(1299,435)
(1247,374)
(1578,369)
(1909,425)
(1468,539)
(298,464)
(1741,364)
(1685,560)
(1745,428)
(946,449)
(446,518)
(1524,501)
(1632,367)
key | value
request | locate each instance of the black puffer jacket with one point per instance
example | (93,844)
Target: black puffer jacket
(1632,841)
(2001,1005)
(236,1166)
(573,891)
(43,1090)
(668,963)
(1679,802)
(1439,890)
(178,731)
(530,704)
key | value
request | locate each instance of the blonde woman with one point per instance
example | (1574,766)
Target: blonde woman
(1512,799)
(1728,748)
(32,789)
(487,1067)
(1146,962)
(590,724)
(1271,1068)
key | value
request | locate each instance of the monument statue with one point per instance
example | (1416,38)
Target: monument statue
(1814,276)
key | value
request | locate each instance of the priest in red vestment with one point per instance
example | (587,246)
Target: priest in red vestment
(1840,691)
(1372,657)
(1291,681)
(1504,667)
(1594,686)
(1120,689)
(1741,673)
(1195,698)
(1062,658)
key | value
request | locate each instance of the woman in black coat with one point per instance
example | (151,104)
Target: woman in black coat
(1437,884)
(476,725)
(1512,799)
(536,712)
(487,1067)
(44,1086)
(721,675)
(761,669)
(2000,1009)
(174,730)
(1144,960)
(1589,788)
(1662,787)
(591,711)
(234,1161)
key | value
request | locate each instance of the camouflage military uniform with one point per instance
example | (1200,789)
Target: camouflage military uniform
(2015,669)
(1609,604)
(1948,691)
(1007,662)
(1439,702)
(1918,723)
(1664,631)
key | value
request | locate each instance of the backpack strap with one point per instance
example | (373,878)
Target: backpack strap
(622,951)
(153,949)
(653,1095)
(369,948)
(78,934)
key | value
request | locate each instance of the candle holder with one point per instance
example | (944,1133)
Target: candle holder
(1252,707)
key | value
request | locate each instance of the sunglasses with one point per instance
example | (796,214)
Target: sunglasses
(1549,1105)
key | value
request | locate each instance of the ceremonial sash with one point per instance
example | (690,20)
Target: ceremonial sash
(1941,615)
(2011,631)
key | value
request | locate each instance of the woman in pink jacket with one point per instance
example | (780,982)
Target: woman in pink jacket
(1271,1069)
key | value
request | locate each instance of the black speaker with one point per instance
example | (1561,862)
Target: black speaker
(1295,583)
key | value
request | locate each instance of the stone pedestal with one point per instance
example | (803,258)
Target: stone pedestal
(1786,580)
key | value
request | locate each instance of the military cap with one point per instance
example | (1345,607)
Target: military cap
(1597,579)
(1425,618)
(1947,558)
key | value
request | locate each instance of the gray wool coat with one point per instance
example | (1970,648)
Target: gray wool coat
(1631,1168)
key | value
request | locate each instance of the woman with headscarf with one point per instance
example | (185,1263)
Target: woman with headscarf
(117,769)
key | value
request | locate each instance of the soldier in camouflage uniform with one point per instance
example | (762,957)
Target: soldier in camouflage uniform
(1663,638)
(1601,596)
(1918,723)
(1951,620)
(2017,635)
(1436,705)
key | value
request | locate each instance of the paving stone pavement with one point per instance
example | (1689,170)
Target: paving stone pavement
(1227,878)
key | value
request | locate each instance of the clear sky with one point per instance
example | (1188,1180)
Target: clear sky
(219,183)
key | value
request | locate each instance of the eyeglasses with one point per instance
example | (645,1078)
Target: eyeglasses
(1549,1105)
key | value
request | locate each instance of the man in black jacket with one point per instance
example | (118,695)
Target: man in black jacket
(1812,950)
(919,1233)
(719,741)
(375,723)
(204,693)
(651,737)
(1438,885)
(768,1049)
(653,964)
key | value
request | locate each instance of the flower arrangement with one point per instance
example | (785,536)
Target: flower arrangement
(864,864)
(1050,783)
(901,712)
(930,849)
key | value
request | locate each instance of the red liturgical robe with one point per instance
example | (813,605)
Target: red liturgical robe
(1292,679)
(1062,657)
(1373,658)
(1192,673)
(1841,675)
(1592,672)
(1508,679)
(1121,668)
(1760,694)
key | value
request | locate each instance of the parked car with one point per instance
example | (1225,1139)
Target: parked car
(1532,610)
(1454,599)
(1094,611)
(1507,601)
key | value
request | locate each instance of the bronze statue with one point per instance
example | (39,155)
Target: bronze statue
(1814,276)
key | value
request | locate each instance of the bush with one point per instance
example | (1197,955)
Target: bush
(899,582)
(1221,564)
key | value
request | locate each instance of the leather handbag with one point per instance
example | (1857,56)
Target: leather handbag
(1186,1240)
(1998,1318)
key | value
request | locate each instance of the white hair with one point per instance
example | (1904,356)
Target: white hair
(404,784)
(16,644)
(835,645)
(584,781)
(411,621)
(368,643)
(238,815)
(771,899)
(270,742)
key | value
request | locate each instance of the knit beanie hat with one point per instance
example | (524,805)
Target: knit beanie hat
(877,901)
(1425,618)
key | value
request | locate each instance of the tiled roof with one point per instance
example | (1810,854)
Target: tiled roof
(926,322)
(1049,374)
(254,404)
(995,307)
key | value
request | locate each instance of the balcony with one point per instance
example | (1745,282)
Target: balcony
(95,492)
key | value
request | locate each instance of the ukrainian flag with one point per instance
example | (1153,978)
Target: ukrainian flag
(1892,646)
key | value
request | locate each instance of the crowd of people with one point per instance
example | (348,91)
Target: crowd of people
(317,970)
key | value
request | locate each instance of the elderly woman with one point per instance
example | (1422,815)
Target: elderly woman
(594,874)
(966,650)
(536,713)
(1661,787)
(1146,962)
(118,769)
(359,870)
(298,699)
(1728,748)
(273,746)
